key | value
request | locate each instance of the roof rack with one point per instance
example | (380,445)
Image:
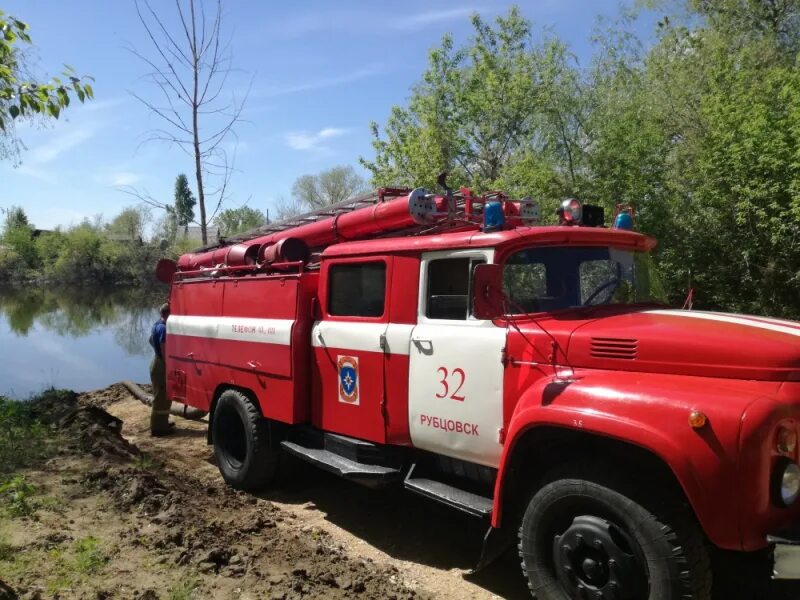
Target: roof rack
(345,206)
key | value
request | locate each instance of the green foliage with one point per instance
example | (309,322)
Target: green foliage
(502,111)
(183,589)
(16,494)
(147,462)
(236,220)
(700,131)
(89,556)
(15,218)
(87,253)
(21,97)
(23,438)
(129,224)
(327,187)
(183,211)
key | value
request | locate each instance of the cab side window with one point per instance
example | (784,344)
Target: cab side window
(449,290)
(357,289)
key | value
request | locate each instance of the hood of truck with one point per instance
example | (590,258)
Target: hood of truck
(708,344)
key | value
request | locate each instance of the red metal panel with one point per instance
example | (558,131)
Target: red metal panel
(363,420)
(397,431)
(511,239)
(261,297)
(403,300)
(651,411)
(200,298)
(758,515)
(403,296)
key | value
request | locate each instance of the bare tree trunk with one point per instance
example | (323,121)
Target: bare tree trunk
(190,68)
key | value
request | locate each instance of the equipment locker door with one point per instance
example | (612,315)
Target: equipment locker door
(348,348)
(456,369)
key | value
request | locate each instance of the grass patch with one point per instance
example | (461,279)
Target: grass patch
(183,589)
(146,462)
(16,494)
(7,551)
(24,438)
(89,556)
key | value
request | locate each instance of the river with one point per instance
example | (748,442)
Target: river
(80,339)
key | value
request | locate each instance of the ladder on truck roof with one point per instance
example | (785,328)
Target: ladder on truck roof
(360,201)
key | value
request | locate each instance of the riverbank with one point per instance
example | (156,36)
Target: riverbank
(86,513)
(91,506)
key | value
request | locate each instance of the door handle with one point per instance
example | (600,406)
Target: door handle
(419,340)
(190,355)
(254,364)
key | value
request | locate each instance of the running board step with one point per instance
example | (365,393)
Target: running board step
(342,466)
(463,500)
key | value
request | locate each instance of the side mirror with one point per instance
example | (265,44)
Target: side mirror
(487,289)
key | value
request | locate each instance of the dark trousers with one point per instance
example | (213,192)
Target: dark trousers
(159,418)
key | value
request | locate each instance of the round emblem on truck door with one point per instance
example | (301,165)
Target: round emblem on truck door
(348,379)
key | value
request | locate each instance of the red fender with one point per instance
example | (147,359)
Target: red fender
(651,411)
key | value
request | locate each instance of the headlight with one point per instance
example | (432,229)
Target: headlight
(787,482)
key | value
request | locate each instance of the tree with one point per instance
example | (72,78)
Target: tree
(484,109)
(131,222)
(15,218)
(700,130)
(21,95)
(236,220)
(190,66)
(327,187)
(184,203)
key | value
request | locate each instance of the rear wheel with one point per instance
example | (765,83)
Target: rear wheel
(242,442)
(584,536)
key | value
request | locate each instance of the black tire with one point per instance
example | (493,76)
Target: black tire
(583,530)
(242,443)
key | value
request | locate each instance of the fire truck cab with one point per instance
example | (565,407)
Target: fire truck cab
(526,375)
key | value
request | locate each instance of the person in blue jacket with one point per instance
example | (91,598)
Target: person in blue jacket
(159,418)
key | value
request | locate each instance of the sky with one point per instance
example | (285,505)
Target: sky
(314,73)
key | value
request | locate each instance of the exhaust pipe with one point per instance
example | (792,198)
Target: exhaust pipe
(177,409)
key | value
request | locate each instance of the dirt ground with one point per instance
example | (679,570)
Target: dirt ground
(125,515)
(119,514)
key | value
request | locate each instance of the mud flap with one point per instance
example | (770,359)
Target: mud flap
(495,543)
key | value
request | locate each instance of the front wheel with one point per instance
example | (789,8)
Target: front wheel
(582,536)
(242,442)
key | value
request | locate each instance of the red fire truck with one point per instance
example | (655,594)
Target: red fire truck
(527,375)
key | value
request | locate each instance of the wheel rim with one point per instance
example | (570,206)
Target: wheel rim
(232,438)
(596,559)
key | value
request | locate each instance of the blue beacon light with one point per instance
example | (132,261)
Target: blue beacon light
(493,217)
(624,221)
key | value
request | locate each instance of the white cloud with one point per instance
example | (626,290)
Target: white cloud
(367,22)
(321,82)
(306,140)
(97,105)
(433,17)
(117,178)
(57,146)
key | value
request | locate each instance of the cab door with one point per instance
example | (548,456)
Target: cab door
(455,366)
(348,343)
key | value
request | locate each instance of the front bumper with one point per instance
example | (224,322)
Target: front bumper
(786,553)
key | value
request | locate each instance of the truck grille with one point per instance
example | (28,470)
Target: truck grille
(621,348)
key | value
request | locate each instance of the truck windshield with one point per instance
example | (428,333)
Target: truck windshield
(553,278)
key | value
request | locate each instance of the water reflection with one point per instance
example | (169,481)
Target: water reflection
(78,338)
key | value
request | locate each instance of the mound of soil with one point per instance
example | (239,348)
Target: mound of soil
(157,526)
